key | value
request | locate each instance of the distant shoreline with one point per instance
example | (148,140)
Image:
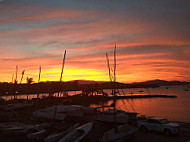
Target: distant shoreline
(85,86)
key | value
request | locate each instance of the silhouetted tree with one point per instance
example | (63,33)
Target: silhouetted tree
(15,81)
(29,80)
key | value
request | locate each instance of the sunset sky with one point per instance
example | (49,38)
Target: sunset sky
(152,38)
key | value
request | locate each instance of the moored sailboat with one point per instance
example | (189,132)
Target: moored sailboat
(114,115)
(122,131)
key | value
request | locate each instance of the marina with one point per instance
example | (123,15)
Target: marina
(94,71)
(93,115)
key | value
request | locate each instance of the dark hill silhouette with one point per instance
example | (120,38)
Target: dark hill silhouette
(85,85)
(162,82)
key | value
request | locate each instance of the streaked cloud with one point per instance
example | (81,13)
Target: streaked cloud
(153,39)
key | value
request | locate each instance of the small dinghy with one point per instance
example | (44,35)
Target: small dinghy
(4,126)
(56,136)
(37,135)
(19,129)
(15,128)
(119,133)
(78,134)
(40,131)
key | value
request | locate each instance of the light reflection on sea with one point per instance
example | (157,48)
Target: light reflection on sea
(177,109)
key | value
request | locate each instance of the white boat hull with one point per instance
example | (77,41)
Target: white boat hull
(37,135)
(78,134)
(56,136)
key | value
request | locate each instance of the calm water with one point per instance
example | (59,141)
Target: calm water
(177,109)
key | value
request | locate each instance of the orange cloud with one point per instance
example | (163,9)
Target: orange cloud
(39,38)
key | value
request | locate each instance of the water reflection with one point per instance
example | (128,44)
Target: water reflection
(176,109)
(171,108)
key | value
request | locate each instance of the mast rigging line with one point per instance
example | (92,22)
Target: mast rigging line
(123,101)
(113,80)
(22,76)
(128,101)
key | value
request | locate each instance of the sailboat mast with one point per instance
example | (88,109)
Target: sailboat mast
(114,86)
(22,76)
(63,64)
(15,82)
(13,78)
(40,69)
(108,67)
(16,74)
(110,77)
(114,64)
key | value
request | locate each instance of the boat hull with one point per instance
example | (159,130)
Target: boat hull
(78,134)
(120,133)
